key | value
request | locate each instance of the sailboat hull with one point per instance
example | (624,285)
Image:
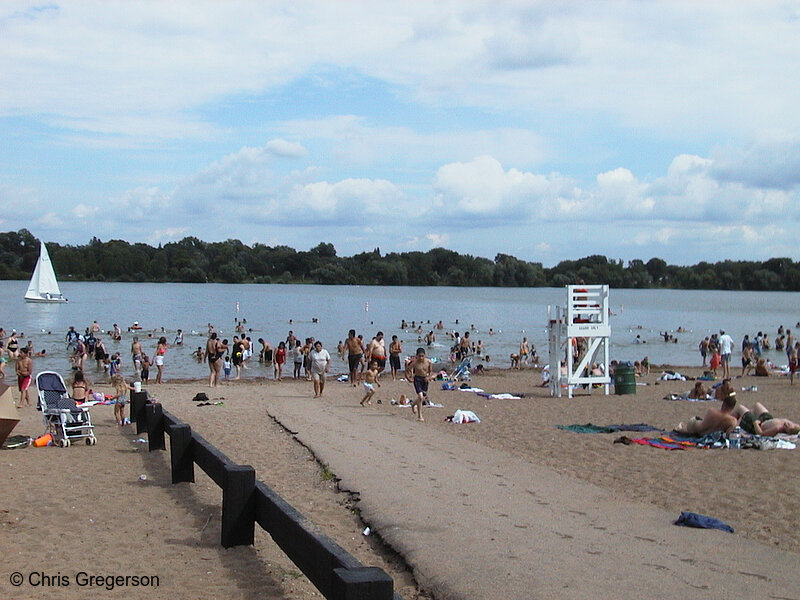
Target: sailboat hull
(47,300)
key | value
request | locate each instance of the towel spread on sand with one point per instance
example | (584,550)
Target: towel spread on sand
(664,443)
(589,428)
(690,519)
(708,398)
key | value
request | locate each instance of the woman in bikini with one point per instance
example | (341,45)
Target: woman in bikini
(161,350)
(80,387)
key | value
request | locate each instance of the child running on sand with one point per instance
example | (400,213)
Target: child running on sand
(121,389)
(420,372)
(370,381)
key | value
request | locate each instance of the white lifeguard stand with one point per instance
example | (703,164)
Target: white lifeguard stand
(585,316)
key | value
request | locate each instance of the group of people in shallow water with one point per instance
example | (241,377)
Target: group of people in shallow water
(716,351)
(732,414)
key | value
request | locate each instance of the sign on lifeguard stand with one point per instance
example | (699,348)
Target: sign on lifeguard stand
(579,336)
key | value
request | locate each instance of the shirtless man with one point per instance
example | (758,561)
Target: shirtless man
(136,354)
(420,372)
(465,345)
(714,420)
(214,352)
(761,422)
(395,350)
(524,350)
(377,351)
(355,352)
(247,349)
(24,370)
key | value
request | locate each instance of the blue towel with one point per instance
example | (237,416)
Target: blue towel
(690,519)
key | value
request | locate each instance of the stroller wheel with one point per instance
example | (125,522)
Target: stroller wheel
(91,441)
(64,443)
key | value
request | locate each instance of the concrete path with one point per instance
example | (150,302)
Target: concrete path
(476,523)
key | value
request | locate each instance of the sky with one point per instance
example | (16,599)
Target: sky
(544,130)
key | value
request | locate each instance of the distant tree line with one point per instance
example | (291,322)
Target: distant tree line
(192,260)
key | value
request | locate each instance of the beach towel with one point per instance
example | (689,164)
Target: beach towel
(690,519)
(664,443)
(685,397)
(669,376)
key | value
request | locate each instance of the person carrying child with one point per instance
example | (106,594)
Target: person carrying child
(370,381)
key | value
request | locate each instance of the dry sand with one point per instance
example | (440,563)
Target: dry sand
(85,508)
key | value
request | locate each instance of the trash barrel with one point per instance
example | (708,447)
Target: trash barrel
(624,379)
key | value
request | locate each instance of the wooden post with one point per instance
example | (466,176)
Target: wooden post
(238,505)
(155,426)
(180,448)
(138,400)
(365,583)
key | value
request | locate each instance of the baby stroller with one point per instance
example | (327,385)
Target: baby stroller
(64,420)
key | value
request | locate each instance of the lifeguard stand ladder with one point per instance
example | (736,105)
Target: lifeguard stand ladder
(585,316)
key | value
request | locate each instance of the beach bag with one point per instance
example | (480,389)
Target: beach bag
(43,440)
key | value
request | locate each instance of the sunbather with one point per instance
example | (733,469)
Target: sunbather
(723,390)
(698,392)
(714,420)
(761,422)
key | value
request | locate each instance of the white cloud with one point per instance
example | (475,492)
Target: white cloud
(356,141)
(483,188)
(84,212)
(438,239)
(170,234)
(285,149)
(50,220)
(150,68)
(344,202)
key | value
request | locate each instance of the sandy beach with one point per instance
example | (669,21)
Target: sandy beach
(88,509)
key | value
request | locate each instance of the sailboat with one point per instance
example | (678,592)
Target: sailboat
(44,285)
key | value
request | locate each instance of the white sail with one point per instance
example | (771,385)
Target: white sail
(43,286)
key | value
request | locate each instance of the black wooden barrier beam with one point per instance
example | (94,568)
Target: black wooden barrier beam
(138,401)
(238,505)
(180,448)
(336,573)
(153,412)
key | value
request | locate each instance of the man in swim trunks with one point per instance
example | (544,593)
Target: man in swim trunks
(355,352)
(420,372)
(761,422)
(136,354)
(395,349)
(24,370)
(377,351)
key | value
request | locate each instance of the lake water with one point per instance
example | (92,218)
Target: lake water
(510,312)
